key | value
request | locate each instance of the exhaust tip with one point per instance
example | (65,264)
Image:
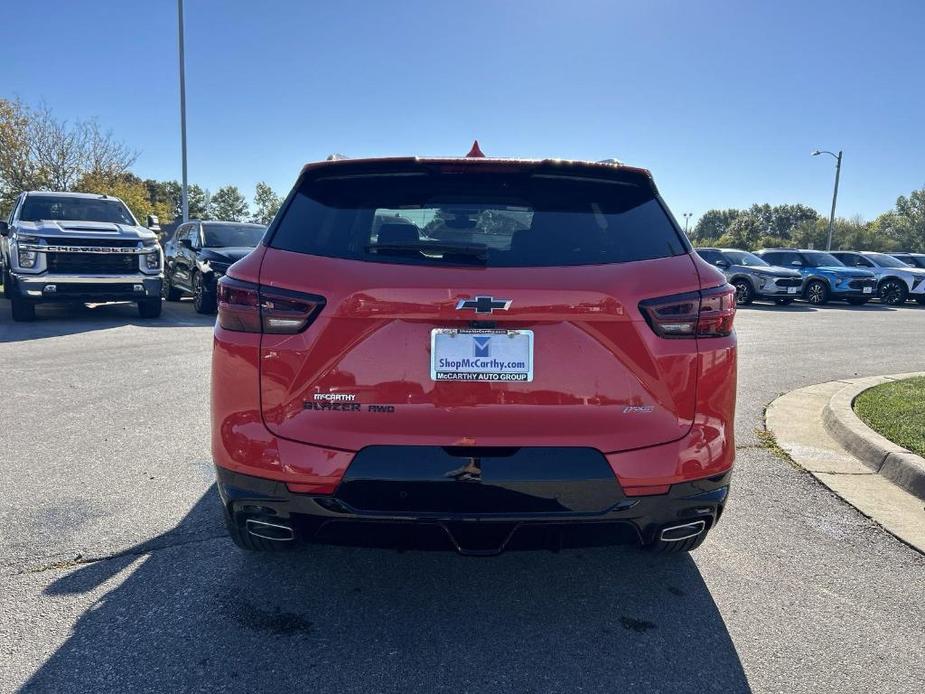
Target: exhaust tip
(269,531)
(676,533)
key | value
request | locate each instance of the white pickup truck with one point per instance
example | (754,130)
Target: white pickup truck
(78,247)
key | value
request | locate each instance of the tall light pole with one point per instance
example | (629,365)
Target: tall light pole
(184,197)
(837,157)
(687,217)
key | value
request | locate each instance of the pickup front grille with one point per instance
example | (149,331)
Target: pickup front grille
(99,243)
(789,282)
(92,263)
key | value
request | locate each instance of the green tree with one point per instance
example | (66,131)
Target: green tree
(760,226)
(126,186)
(38,151)
(228,205)
(904,225)
(713,224)
(847,235)
(165,196)
(266,204)
(745,232)
(17,170)
(783,220)
(198,202)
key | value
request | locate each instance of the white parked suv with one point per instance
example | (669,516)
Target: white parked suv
(897,281)
(78,247)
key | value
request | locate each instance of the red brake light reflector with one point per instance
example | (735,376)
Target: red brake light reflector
(253,308)
(717,311)
(238,305)
(707,313)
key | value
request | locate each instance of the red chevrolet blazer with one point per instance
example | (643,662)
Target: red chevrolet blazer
(475,353)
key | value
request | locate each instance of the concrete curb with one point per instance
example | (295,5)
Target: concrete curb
(902,467)
(796,420)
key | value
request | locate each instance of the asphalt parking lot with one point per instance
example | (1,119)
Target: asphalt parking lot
(115,573)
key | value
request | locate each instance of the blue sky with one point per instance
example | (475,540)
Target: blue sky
(723,99)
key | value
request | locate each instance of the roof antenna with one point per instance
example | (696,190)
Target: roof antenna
(475,151)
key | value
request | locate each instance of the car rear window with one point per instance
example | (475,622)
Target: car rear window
(493,219)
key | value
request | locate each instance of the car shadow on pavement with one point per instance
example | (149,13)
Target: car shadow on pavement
(53,320)
(843,306)
(177,614)
(791,308)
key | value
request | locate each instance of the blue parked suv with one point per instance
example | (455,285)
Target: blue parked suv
(825,277)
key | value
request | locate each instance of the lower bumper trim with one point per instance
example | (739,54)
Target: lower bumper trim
(58,287)
(327,520)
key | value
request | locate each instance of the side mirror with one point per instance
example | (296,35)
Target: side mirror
(798,263)
(186,243)
(153,222)
(722,264)
(4,229)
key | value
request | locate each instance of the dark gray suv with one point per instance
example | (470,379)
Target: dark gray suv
(752,277)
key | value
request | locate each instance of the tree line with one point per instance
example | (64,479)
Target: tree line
(769,226)
(39,151)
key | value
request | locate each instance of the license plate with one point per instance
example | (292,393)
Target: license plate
(481,355)
(868,290)
(792,290)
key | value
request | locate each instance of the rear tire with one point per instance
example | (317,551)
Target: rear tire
(150,308)
(7,283)
(22,310)
(744,292)
(168,291)
(816,293)
(203,299)
(244,540)
(893,292)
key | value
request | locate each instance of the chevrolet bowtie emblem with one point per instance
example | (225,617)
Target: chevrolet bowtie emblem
(483,304)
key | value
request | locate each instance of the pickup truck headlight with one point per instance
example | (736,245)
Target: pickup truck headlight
(153,261)
(27,258)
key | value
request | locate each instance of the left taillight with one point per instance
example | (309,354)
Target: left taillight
(707,313)
(253,308)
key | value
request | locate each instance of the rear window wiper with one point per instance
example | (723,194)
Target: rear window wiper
(475,252)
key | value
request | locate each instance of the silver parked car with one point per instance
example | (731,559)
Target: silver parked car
(754,278)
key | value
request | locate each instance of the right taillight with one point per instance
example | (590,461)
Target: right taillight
(253,308)
(707,313)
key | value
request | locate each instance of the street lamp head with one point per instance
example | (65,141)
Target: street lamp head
(816,152)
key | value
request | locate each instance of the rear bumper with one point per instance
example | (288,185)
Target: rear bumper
(61,287)
(336,519)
